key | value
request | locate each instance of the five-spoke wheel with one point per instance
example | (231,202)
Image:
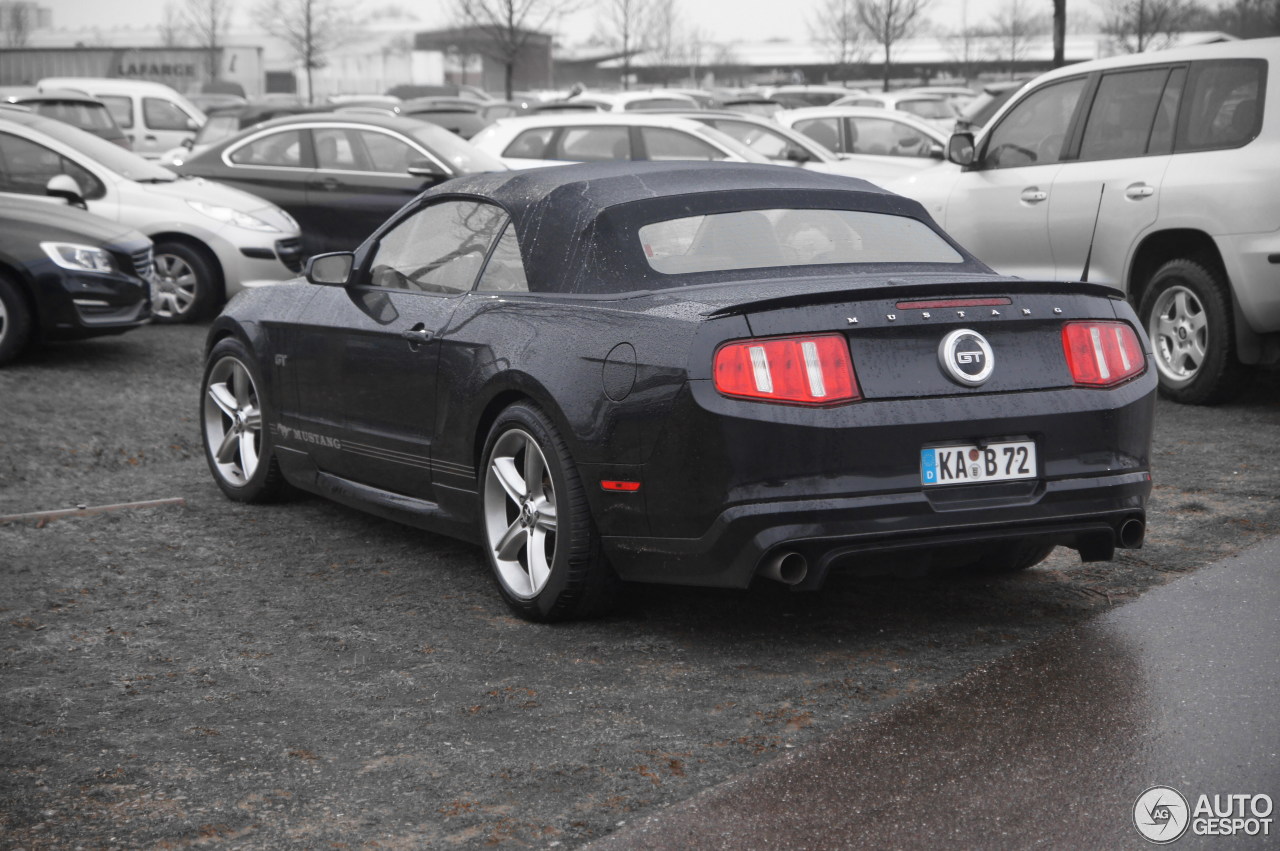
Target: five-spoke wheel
(184,289)
(237,443)
(535,524)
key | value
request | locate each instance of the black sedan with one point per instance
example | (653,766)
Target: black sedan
(688,373)
(339,174)
(67,275)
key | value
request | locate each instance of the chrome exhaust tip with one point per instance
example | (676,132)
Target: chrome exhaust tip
(789,568)
(1132,533)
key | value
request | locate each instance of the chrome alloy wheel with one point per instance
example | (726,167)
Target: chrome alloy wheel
(1179,331)
(175,286)
(520,513)
(4,319)
(233,421)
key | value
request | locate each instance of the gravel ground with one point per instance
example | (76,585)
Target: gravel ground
(303,675)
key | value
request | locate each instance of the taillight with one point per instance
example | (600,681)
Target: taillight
(813,370)
(1102,354)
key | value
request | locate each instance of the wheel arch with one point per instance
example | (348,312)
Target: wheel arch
(198,245)
(516,388)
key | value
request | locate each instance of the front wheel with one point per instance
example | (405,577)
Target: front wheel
(15,321)
(536,526)
(1187,313)
(235,428)
(187,288)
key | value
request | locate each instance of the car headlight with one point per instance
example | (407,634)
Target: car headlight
(79,258)
(233,216)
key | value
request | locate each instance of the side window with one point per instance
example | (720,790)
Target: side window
(763,141)
(26,167)
(334,149)
(386,153)
(1034,130)
(662,143)
(1167,113)
(531,144)
(160,114)
(594,144)
(824,131)
(1223,105)
(886,137)
(121,107)
(277,149)
(1123,114)
(439,249)
(505,271)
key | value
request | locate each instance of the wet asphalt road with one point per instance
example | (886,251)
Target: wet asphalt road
(1049,747)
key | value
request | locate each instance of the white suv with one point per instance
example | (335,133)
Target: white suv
(1158,173)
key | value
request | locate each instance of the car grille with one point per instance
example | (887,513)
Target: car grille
(290,253)
(143,263)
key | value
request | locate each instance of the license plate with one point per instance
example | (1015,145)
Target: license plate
(995,462)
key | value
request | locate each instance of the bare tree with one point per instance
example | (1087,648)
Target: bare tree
(509,24)
(173,32)
(835,26)
(890,21)
(17,25)
(663,36)
(1013,27)
(621,25)
(1246,18)
(1135,26)
(311,29)
(207,22)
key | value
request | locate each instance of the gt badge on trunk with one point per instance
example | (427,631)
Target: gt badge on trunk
(966,357)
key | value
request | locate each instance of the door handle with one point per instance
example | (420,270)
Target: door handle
(328,184)
(1033,195)
(417,335)
(1139,190)
(151,138)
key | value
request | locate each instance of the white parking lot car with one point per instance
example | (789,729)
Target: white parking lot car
(210,240)
(552,139)
(1156,172)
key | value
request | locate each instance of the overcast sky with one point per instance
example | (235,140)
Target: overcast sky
(728,20)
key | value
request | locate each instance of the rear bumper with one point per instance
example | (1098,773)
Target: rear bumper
(1083,513)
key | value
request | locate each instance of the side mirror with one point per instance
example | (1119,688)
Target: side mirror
(960,149)
(797,155)
(936,152)
(64,186)
(333,270)
(189,143)
(192,124)
(423,167)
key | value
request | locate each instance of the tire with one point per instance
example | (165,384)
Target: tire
(535,524)
(1187,312)
(15,321)
(234,425)
(187,287)
(1010,558)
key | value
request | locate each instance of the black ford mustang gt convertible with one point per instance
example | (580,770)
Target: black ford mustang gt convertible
(688,373)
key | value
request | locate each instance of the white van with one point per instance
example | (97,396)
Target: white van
(154,117)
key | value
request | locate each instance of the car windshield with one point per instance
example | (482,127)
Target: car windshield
(754,239)
(124,163)
(460,155)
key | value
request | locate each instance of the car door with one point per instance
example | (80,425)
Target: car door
(361,177)
(1109,192)
(999,209)
(166,125)
(365,356)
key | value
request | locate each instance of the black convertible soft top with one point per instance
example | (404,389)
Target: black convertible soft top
(576,224)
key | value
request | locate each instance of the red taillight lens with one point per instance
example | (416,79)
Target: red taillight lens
(1102,354)
(813,370)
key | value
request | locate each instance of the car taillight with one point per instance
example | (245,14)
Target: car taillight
(814,370)
(1102,354)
